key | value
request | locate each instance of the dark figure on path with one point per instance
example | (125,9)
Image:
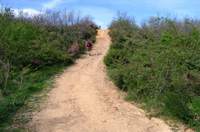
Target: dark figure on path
(88,45)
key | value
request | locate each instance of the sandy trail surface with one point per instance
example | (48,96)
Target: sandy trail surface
(84,100)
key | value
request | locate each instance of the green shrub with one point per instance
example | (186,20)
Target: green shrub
(175,104)
(117,77)
(115,56)
(32,49)
(158,64)
(117,45)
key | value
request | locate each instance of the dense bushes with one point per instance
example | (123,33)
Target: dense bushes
(158,64)
(31,47)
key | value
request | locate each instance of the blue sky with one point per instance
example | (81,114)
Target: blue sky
(103,11)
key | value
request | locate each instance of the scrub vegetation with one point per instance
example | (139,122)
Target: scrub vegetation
(32,49)
(158,64)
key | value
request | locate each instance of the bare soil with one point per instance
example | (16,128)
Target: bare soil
(84,100)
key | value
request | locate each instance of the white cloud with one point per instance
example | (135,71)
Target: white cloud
(29,12)
(53,3)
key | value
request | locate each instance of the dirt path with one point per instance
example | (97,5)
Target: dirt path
(85,101)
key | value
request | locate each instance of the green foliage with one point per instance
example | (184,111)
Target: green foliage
(32,49)
(114,56)
(176,105)
(158,64)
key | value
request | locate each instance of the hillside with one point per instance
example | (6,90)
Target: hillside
(85,100)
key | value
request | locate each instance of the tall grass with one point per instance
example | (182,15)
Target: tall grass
(159,64)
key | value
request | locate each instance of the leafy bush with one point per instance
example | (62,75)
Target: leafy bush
(35,48)
(158,64)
